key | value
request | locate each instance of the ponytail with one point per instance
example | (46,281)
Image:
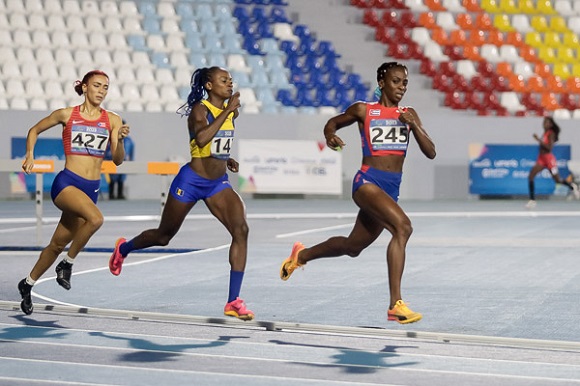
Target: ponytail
(198,91)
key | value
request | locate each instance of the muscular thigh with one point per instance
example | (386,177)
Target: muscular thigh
(228,207)
(382,210)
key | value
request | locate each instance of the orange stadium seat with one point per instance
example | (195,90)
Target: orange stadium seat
(517,83)
(434,5)
(471,5)
(555,84)
(535,83)
(573,84)
(550,102)
(529,54)
(464,21)
(458,37)
(515,39)
(496,38)
(543,70)
(440,36)
(472,53)
(483,22)
(427,20)
(477,37)
(504,69)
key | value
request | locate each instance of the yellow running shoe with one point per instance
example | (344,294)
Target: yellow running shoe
(403,314)
(291,263)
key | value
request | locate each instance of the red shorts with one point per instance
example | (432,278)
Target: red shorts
(548,161)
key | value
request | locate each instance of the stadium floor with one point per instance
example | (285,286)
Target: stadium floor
(498,287)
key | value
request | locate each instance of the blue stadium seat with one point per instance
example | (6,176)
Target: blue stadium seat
(197,59)
(278,15)
(137,42)
(188,26)
(160,59)
(151,25)
(185,10)
(241,13)
(147,9)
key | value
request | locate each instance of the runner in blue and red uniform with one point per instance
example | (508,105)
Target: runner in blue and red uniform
(87,131)
(546,160)
(385,128)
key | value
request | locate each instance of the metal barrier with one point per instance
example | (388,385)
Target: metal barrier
(163,169)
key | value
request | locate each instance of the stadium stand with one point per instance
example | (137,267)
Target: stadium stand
(489,57)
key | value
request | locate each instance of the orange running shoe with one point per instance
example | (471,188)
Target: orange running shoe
(291,263)
(237,308)
(116,259)
(403,314)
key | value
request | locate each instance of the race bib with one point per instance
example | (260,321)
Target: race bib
(89,140)
(388,134)
(221,145)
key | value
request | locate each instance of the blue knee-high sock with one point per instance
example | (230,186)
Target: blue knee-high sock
(236,278)
(126,248)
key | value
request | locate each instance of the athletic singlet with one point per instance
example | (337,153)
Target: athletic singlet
(82,136)
(221,144)
(546,138)
(383,133)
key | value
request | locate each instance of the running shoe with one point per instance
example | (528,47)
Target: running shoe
(26,304)
(116,259)
(63,274)
(237,308)
(531,204)
(291,263)
(403,314)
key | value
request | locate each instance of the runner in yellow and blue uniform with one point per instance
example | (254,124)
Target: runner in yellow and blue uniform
(211,131)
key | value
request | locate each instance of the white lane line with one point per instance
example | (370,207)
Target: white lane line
(477,214)
(389,367)
(153,260)
(324,229)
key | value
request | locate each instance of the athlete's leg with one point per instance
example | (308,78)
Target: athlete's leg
(531,186)
(63,235)
(228,207)
(172,218)
(76,204)
(388,214)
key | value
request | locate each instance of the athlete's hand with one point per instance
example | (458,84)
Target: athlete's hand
(233,165)
(28,165)
(407,116)
(335,142)
(536,137)
(234,102)
(124,131)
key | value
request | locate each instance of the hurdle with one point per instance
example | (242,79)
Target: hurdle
(163,169)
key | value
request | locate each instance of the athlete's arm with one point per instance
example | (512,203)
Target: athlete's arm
(205,131)
(354,113)
(426,144)
(119,131)
(58,116)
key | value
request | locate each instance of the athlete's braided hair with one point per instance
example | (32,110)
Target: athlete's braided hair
(198,91)
(382,70)
(555,128)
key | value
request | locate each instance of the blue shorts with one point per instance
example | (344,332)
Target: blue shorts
(387,181)
(67,178)
(188,186)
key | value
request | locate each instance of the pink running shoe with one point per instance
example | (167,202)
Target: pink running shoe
(237,308)
(116,259)
(291,263)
